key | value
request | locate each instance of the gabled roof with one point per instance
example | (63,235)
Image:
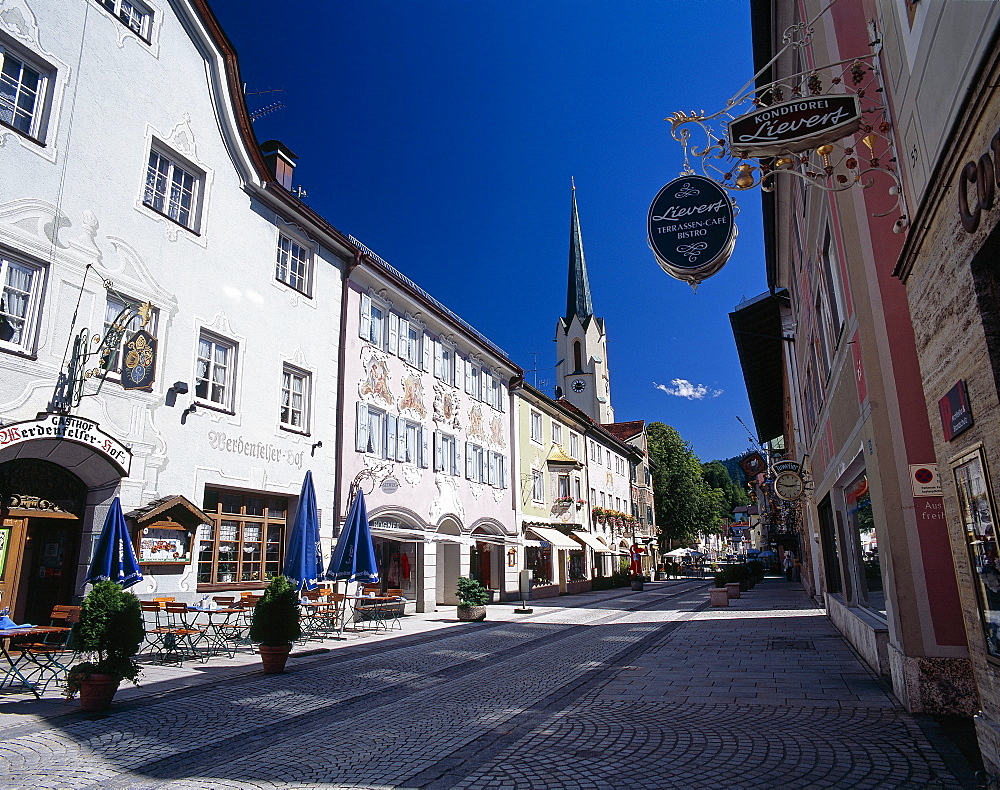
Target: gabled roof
(625,430)
(178,506)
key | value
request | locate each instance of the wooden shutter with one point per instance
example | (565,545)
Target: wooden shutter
(438,456)
(422,449)
(361,429)
(438,360)
(390,436)
(456,466)
(404,340)
(427,353)
(468,461)
(393,321)
(401,440)
(365,323)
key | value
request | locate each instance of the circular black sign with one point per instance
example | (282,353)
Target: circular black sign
(691,227)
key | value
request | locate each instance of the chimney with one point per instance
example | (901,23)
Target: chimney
(280,160)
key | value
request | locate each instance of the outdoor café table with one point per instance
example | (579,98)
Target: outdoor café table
(216,627)
(321,617)
(378,610)
(27,665)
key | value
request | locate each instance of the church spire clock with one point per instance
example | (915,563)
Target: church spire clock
(581,342)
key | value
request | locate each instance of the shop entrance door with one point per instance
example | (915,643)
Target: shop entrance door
(12,532)
(51,551)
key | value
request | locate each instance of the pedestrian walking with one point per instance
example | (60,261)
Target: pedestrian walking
(788,564)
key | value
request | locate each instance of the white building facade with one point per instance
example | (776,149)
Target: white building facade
(111,200)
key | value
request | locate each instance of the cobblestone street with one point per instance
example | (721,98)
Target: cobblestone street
(602,690)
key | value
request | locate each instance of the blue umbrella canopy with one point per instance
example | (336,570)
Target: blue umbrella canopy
(304,562)
(114,558)
(354,556)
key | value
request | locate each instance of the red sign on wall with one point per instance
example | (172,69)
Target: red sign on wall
(956,416)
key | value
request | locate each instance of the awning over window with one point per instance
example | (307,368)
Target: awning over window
(555,537)
(557,457)
(759,339)
(589,540)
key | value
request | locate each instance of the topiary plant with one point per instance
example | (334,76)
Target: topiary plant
(275,620)
(471,593)
(111,626)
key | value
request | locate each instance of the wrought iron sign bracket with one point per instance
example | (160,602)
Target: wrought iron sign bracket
(94,356)
(830,127)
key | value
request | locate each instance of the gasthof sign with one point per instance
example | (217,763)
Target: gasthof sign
(793,126)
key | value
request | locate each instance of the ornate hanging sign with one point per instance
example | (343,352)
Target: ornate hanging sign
(690,228)
(795,126)
(139,364)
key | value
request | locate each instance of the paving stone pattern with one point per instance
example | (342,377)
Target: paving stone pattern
(645,690)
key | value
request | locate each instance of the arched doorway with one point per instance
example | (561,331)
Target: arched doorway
(449,562)
(486,557)
(42,506)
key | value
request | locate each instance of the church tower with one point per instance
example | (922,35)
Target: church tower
(581,343)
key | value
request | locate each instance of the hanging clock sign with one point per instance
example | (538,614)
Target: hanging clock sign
(794,126)
(139,361)
(690,228)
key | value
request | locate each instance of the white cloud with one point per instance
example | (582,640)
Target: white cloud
(682,388)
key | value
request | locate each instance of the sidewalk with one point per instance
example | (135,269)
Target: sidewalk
(158,680)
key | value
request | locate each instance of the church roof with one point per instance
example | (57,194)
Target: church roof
(578,300)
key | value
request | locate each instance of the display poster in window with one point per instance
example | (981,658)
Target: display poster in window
(978,518)
(139,361)
(164,545)
(4,541)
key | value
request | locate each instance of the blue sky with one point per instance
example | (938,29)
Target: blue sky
(444,133)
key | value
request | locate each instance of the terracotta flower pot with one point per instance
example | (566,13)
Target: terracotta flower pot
(274,658)
(97,691)
(471,613)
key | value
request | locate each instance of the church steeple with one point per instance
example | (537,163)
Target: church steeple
(578,302)
(581,343)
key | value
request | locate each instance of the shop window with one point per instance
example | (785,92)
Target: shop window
(979,519)
(577,566)
(20,302)
(539,560)
(868,566)
(244,543)
(828,540)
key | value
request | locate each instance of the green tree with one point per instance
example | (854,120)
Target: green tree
(686,506)
(717,475)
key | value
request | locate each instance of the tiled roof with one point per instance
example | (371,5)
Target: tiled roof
(624,430)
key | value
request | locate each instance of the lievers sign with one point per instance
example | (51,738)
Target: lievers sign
(690,228)
(796,125)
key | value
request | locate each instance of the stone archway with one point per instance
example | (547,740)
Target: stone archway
(54,496)
(452,557)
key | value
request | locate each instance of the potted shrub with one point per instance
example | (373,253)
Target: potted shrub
(275,624)
(719,594)
(472,600)
(110,625)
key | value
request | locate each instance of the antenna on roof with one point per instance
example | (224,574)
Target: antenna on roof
(267,109)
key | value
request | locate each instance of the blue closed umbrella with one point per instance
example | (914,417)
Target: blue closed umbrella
(303,562)
(354,557)
(114,558)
